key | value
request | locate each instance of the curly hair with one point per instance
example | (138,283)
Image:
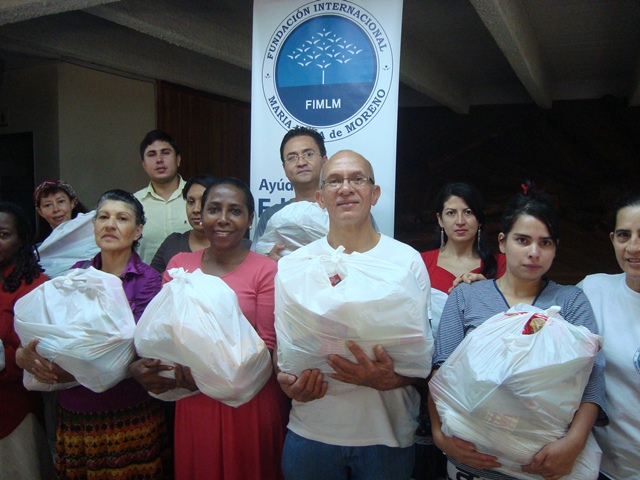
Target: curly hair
(132,202)
(27,266)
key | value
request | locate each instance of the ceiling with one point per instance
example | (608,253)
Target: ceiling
(455,53)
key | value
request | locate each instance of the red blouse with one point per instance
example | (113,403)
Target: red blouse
(442,279)
(15,400)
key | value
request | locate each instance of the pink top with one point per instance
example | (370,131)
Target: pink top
(219,442)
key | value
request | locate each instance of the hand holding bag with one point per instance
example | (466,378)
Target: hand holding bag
(196,321)
(85,325)
(375,302)
(512,393)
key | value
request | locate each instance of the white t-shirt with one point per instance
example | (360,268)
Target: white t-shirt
(617,310)
(351,415)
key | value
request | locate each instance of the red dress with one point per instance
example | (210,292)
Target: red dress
(442,279)
(213,440)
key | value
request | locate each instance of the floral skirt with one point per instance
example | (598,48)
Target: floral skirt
(130,443)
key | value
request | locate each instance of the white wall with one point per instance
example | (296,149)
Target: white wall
(102,119)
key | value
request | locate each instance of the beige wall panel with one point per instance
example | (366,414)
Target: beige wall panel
(102,117)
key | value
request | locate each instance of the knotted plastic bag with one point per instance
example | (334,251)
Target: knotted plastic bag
(85,325)
(324,300)
(511,393)
(71,241)
(294,226)
(196,321)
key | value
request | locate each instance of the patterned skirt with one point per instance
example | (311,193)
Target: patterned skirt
(131,443)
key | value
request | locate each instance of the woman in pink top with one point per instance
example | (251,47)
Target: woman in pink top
(213,440)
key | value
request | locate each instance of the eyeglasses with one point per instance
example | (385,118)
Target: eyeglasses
(306,156)
(335,183)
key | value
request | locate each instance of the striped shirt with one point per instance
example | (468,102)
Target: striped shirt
(469,306)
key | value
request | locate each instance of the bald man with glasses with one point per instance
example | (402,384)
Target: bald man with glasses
(363,425)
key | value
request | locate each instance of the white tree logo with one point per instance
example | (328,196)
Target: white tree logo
(323,49)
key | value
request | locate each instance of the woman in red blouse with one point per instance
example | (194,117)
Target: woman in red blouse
(463,256)
(463,251)
(23,445)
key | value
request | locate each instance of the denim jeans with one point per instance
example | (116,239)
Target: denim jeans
(305,459)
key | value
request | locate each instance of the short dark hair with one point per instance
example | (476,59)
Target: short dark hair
(536,204)
(300,131)
(234,182)
(473,198)
(628,199)
(155,135)
(129,199)
(26,261)
(51,187)
(204,179)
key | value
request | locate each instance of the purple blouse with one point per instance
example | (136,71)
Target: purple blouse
(140,283)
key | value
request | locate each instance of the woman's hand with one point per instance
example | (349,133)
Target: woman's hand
(378,374)
(465,452)
(310,385)
(184,379)
(274,254)
(147,372)
(555,460)
(467,278)
(457,448)
(42,369)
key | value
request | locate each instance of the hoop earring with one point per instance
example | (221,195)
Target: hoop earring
(441,238)
(479,231)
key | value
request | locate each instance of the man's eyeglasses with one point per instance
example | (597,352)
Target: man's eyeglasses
(306,156)
(335,182)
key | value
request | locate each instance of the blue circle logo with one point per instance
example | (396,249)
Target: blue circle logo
(328,66)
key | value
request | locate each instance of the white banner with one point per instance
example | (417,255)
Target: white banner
(332,66)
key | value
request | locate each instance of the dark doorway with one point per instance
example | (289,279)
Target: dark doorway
(16,170)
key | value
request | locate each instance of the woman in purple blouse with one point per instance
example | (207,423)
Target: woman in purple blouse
(122,431)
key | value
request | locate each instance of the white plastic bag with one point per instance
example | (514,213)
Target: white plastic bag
(71,241)
(510,393)
(438,299)
(84,323)
(196,321)
(294,226)
(376,302)
(30,383)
